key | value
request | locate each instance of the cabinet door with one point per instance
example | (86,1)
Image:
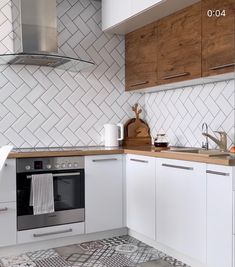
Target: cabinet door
(219,216)
(179,45)
(114,12)
(103,193)
(141,58)
(7,224)
(218,36)
(8,181)
(181,206)
(140,194)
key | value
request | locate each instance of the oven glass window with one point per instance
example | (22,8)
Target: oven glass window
(68,191)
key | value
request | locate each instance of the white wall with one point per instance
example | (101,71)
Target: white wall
(46,107)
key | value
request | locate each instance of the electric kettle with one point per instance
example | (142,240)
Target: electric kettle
(111,134)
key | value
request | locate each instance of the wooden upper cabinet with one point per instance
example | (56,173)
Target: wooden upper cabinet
(218,36)
(179,45)
(141,58)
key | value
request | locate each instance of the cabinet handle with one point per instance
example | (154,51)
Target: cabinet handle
(177,167)
(175,76)
(218,173)
(59,174)
(53,233)
(140,83)
(4,209)
(139,160)
(222,66)
(101,160)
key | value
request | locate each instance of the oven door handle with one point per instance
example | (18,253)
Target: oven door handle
(60,174)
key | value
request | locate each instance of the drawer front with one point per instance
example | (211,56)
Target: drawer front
(7,224)
(47,233)
(8,181)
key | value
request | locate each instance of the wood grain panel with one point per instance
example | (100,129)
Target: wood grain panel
(141,58)
(218,38)
(179,45)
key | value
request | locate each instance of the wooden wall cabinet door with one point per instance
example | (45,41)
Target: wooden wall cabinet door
(141,58)
(218,33)
(179,45)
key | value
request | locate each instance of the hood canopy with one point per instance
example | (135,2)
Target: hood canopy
(35,37)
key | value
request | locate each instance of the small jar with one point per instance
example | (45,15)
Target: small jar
(161,141)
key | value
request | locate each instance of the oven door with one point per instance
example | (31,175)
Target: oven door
(68,196)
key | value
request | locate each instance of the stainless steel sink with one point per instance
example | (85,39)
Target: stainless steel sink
(184,150)
(198,151)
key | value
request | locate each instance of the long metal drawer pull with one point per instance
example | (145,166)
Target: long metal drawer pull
(176,75)
(140,83)
(139,160)
(101,160)
(60,174)
(218,173)
(4,209)
(222,66)
(177,167)
(53,233)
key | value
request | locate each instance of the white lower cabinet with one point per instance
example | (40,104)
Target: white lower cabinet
(8,181)
(52,232)
(8,203)
(103,192)
(219,216)
(181,206)
(7,224)
(140,194)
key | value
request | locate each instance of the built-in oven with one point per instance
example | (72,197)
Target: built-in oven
(68,186)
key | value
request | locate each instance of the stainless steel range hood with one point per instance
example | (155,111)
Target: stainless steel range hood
(35,37)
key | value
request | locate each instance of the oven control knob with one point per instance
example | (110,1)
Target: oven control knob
(57,166)
(27,167)
(75,165)
(63,165)
(48,166)
(70,165)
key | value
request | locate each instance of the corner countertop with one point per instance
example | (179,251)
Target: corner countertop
(144,151)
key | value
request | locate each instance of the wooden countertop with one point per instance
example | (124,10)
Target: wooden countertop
(145,151)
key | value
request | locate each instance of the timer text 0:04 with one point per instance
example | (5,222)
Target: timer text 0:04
(216,13)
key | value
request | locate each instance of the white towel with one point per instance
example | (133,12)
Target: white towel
(42,194)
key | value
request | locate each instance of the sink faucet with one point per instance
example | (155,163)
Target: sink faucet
(205,131)
(221,142)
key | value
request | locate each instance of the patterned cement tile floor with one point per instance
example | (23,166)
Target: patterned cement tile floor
(122,251)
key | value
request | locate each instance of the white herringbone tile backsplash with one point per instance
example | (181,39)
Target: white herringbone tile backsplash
(180,113)
(46,107)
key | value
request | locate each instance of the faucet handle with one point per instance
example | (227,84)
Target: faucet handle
(223,139)
(221,133)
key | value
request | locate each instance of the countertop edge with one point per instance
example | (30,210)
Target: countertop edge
(133,151)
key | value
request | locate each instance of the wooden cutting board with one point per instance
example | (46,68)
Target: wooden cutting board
(136,130)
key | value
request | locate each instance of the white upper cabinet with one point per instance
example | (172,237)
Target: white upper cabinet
(123,16)
(219,216)
(140,194)
(8,181)
(103,193)
(141,5)
(181,206)
(114,12)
